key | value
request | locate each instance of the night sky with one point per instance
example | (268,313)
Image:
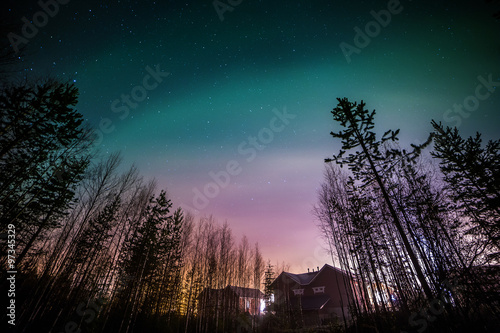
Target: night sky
(189,97)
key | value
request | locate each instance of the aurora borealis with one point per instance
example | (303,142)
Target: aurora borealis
(232,116)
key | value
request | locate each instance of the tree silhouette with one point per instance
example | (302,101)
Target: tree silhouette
(44,151)
(472,173)
(369,164)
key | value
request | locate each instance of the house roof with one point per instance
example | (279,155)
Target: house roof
(303,278)
(239,291)
(247,292)
(306,278)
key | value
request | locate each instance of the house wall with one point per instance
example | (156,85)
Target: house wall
(227,301)
(253,306)
(336,286)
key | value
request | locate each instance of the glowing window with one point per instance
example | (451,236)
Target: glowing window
(318,290)
(298,291)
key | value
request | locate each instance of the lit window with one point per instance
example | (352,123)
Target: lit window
(318,290)
(298,291)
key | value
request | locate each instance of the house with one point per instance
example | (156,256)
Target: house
(230,300)
(319,296)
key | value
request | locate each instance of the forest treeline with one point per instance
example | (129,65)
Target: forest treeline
(420,241)
(96,247)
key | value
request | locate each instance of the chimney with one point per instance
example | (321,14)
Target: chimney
(318,268)
(308,270)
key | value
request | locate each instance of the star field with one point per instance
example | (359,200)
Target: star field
(226,78)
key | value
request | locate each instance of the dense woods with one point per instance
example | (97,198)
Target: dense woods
(98,248)
(415,234)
